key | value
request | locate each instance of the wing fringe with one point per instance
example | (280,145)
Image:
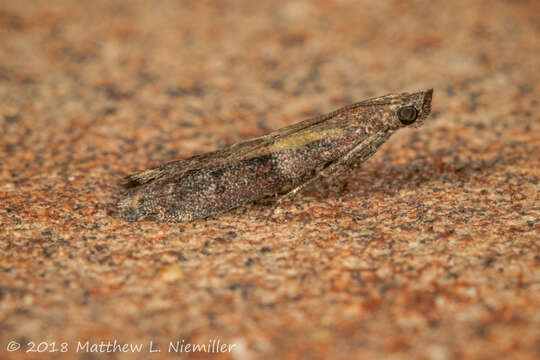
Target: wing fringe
(142,177)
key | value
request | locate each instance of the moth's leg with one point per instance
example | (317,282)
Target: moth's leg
(361,152)
(292,192)
(331,169)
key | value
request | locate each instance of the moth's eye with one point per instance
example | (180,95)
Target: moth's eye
(407,114)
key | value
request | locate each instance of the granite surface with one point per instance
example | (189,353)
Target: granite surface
(430,250)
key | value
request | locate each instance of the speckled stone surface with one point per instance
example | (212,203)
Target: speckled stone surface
(430,250)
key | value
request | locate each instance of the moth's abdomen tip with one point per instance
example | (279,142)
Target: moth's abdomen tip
(129,214)
(124,211)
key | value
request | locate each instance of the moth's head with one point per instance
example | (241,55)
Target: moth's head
(407,109)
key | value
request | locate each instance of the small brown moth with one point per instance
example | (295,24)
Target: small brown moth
(282,162)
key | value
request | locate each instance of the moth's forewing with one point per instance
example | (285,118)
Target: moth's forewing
(283,160)
(215,182)
(228,154)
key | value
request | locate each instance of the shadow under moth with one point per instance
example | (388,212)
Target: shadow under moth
(281,162)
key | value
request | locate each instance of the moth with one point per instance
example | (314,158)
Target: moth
(282,162)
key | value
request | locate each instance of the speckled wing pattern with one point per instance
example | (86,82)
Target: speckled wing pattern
(219,157)
(285,160)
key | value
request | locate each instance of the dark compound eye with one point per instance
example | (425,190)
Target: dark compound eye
(407,114)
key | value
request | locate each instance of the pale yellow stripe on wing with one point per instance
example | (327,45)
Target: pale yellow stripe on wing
(296,141)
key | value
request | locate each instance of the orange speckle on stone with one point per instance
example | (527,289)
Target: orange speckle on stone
(171,273)
(427,42)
